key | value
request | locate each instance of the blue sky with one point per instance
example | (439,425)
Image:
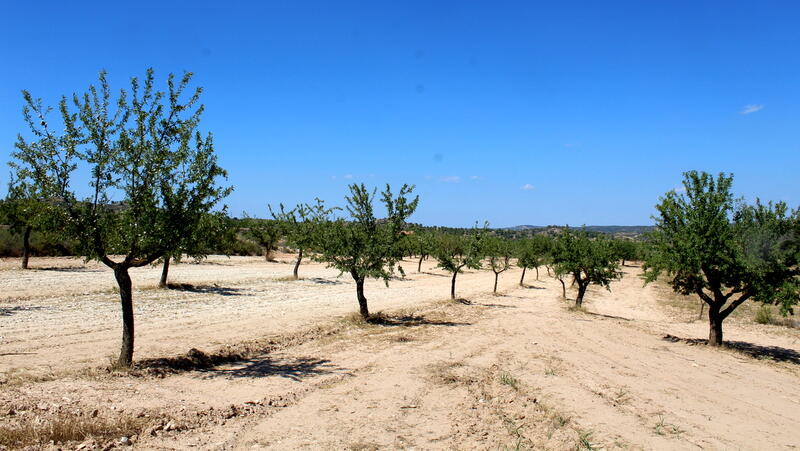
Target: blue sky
(511,112)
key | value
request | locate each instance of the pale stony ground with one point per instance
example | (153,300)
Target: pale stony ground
(515,371)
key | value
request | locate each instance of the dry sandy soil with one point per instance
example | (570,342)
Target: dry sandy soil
(280,364)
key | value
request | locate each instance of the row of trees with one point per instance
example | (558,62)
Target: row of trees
(144,147)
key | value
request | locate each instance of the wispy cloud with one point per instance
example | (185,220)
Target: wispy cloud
(475,177)
(527,187)
(752,108)
(451,179)
(348,176)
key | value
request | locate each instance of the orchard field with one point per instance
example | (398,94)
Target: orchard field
(236,355)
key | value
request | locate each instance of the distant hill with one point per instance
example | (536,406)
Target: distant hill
(632,231)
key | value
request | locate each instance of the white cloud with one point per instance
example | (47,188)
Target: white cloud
(451,179)
(527,187)
(752,108)
(475,177)
(348,176)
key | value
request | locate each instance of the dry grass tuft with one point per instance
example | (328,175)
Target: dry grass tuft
(62,428)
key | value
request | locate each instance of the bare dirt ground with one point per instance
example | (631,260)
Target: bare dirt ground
(284,365)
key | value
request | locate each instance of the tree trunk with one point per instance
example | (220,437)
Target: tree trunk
(126,299)
(266,253)
(495,282)
(297,265)
(419,266)
(582,286)
(26,247)
(702,307)
(563,288)
(548,270)
(453,286)
(362,300)
(522,279)
(537,273)
(715,326)
(164,272)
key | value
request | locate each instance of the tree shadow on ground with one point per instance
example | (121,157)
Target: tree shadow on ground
(212,289)
(196,360)
(533,287)
(321,281)
(434,274)
(411,320)
(606,316)
(775,353)
(8,311)
(294,369)
(65,268)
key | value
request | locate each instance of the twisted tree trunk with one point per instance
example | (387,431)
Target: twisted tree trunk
(126,301)
(164,273)
(26,246)
(522,279)
(297,264)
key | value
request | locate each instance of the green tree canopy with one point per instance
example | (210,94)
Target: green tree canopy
(724,251)
(456,252)
(587,260)
(362,245)
(151,173)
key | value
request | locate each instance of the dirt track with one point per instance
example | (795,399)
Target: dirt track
(517,370)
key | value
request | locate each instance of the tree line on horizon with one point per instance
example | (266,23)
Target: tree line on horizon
(144,146)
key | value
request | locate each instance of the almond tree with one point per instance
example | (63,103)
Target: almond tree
(724,251)
(456,252)
(364,246)
(150,172)
(499,253)
(265,232)
(588,261)
(301,225)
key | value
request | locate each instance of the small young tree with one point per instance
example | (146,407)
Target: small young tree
(455,252)
(265,232)
(588,261)
(422,243)
(143,149)
(302,224)
(724,253)
(499,252)
(532,253)
(202,235)
(626,250)
(364,246)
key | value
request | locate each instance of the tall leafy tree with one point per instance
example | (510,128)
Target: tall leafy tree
(362,245)
(302,225)
(456,252)
(587,260)
(422,243)
(499,253)
(150,172)
(40,167)
(724,251)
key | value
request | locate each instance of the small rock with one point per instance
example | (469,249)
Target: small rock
(94,413)
(171,426)
(125,441)
(11,412)
(42,406)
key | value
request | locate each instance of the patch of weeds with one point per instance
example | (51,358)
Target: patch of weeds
(507,378)
(443,373)
(364,446)
(763,315)
(287,279)
(664,428)
(559,420)
(621,396)
(585,441)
